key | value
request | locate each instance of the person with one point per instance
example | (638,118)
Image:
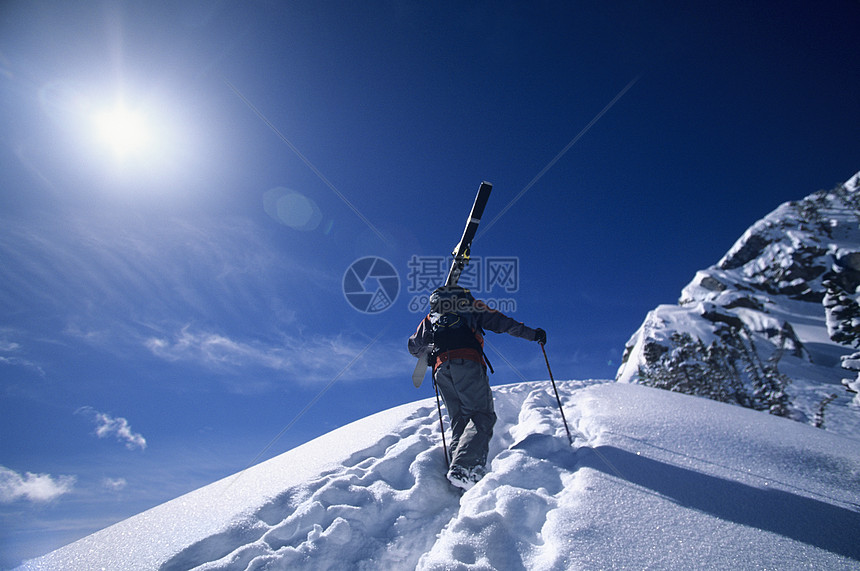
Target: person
(452,334)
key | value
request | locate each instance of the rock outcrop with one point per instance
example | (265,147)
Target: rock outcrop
(773,323)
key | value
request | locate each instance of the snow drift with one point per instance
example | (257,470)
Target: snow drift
(655,480)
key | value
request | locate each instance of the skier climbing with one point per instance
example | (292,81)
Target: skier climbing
(453,334)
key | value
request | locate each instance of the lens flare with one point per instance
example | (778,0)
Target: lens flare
(292,208)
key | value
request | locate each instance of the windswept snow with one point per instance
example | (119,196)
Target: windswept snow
(655,480)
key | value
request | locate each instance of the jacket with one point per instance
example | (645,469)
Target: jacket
(486,319)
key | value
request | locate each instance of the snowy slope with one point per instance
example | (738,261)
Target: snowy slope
(753,329)
(656,480)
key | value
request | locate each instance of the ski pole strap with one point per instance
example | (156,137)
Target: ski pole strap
(487,361)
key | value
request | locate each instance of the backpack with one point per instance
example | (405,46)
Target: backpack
(454,323)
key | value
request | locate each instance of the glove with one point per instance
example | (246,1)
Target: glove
(540,336)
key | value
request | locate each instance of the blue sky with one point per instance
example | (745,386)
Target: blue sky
(171,295)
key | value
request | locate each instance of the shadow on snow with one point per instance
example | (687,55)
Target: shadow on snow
(816,523)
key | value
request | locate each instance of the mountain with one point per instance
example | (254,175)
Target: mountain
(655,479)
(775,324)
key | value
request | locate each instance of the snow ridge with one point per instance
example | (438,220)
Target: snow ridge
(366,510)
(389,507)
(655,480)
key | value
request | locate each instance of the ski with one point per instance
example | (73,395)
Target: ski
(462,251)
(461,254)
(420,369)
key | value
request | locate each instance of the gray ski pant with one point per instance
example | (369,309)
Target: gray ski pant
(466,391)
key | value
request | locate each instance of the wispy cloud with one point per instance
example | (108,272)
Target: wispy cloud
(213,349)
(114,484)
(311,360)
(19,362)
(10,354)
(107,425)
(32,487)
(149,271)
(7,346)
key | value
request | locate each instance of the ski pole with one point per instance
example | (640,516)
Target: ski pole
(560,409)
(441,426)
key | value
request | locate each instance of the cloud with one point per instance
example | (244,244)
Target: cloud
(32,487)
(114,484)
(214,349)
(119,427)
(18,362)
(9,351)
(147,269)
(8,346)
(311,360)
(308,360)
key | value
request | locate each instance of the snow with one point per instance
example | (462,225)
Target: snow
(654,479)
(769,288)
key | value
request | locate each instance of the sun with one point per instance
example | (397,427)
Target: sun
(132,138)
(124,131)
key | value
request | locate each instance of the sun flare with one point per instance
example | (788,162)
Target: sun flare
(123,130)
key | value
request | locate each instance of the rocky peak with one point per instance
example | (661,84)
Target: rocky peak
(767,325)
